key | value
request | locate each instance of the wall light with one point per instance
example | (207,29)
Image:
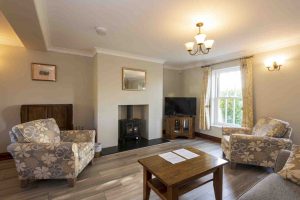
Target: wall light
(274,63)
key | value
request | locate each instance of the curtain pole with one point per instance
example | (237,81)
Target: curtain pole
(217,63)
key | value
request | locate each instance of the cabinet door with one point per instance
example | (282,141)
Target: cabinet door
(185,126)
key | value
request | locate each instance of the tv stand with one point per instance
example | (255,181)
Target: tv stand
(179,126)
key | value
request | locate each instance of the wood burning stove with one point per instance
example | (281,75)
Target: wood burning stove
(131,128)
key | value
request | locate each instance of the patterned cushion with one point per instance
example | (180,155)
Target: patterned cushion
(291,169)
(270,127)
(38,131)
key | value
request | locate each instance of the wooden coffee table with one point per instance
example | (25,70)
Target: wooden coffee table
(172,180)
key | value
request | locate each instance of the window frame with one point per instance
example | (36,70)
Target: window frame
(215,90)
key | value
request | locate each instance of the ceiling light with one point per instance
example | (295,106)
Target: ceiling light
(202,45)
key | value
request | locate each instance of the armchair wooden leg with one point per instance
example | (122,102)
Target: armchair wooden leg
(232,165)
(24,183)
(91,162)
(71,182)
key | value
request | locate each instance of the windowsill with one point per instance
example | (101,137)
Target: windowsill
(224,125)
(217,126)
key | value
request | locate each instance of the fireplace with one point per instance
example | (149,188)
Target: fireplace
(132,122)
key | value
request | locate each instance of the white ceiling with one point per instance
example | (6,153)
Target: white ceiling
(159,28)
(7,34)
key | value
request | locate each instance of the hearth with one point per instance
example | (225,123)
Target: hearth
(131,128)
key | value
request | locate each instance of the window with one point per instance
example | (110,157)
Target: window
(227,100)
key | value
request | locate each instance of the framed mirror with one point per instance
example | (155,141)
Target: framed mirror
(133,79)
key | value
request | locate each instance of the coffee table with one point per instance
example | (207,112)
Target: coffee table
(172,180)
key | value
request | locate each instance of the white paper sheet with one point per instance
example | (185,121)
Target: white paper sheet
(186,153)
(172,157)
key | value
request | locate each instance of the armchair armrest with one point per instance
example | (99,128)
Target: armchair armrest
(281,159)
(236,130)
(45,160)
(78,136)
(257,150)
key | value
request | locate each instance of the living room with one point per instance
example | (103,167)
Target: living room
(112,100)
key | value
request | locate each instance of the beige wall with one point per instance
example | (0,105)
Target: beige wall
(172,83)
(110,95)
(74,85)
(276,94)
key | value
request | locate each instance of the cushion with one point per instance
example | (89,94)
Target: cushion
(291,169)
(270,127)
(38,131)
(273,187)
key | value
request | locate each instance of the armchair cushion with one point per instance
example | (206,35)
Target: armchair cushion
(270,127)
(291,169)
(236,130)
(78,136)
(38,131)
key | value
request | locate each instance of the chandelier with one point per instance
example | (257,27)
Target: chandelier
(202,45)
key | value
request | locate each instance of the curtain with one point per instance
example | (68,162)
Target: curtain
(204,113)
(247,92)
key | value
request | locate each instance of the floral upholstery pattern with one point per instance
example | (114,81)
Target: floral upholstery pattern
(246,146)
(53,160)
(256,150)
(270,127)
(45,161)
(38,131)
(78,136)
(291,169)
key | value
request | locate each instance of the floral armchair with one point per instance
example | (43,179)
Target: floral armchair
(42,151)
(258,146)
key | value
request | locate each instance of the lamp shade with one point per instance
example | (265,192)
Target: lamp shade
(200,38)
(208,43)
(189,46)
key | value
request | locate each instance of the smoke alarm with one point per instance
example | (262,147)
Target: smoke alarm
(100,30)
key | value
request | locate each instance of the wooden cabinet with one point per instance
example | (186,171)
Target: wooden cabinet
(179,126)
(62,113)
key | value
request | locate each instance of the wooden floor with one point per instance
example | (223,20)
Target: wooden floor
(119,177)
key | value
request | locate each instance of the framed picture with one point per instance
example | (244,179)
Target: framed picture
(43,72)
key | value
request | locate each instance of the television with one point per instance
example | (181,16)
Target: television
(180,106)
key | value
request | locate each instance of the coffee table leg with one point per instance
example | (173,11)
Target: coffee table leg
(146,189)
(218,182)
(172,193)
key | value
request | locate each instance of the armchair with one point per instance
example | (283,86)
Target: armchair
(41,151)
(258,146)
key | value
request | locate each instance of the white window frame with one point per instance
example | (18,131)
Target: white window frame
(215,98)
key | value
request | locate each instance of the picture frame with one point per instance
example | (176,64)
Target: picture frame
(43,72)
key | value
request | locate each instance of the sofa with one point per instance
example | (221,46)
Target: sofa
(41,151)
(274,187)
(258,146)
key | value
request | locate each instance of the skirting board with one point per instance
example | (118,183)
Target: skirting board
(5,156)
(208,137)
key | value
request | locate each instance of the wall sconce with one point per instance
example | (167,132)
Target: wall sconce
(274,63)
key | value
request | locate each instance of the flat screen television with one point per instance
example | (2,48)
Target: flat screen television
(180,106)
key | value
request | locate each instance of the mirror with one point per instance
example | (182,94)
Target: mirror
(134,79)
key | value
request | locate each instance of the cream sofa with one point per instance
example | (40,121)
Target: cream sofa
(258,146)
(41,151)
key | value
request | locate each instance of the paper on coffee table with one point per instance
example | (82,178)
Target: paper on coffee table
(172,157)
(186,153)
